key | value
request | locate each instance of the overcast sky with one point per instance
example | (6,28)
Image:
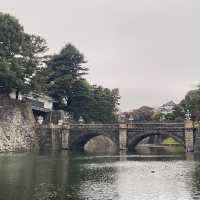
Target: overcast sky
(149,49)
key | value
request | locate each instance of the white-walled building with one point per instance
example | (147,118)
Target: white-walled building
(41,104)
(167,107)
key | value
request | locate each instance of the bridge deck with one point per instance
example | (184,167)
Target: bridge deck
(110,126)
(93,126)
(155,125)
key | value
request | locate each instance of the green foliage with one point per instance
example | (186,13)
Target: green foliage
(11,36)
(105,104)
(64,70)
(73,93)
(93,103)
(142,114)
(157,116)
(21,56)
(191,102)
(79,100)
(170,141)
(170,116)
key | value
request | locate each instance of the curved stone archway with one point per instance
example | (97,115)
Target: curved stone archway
(137,137)
(100,144)
(81,141)
(80,136)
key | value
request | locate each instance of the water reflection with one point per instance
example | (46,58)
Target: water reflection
(154,180)
(159,150)
(63,176)
(196,183)
(32,176)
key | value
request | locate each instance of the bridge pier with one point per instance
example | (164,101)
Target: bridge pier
(65,137)
(123,138)
(197,137)
(189,136)
(55,137)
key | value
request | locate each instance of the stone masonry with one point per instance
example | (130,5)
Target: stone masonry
(16,126)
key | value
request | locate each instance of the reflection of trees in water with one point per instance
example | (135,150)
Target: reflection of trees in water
(47,192)
(88,175)
(51,175)
(159,150)
(16,172)
(34,176)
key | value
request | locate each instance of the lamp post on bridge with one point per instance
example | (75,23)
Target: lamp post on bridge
(188,115)
(123,132)
(131,119)
(81,120)
(189,134)
(66,118)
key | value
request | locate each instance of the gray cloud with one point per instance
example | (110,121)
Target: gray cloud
(148,49)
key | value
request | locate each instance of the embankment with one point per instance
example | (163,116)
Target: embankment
(16,126)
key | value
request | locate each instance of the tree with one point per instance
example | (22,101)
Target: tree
(21,56)
(191,102)
(105,104)
(67,85)
(11,36)
(64,70)
(141,114)
(79,100)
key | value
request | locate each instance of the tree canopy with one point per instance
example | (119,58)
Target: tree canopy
(64,70)
(67,85)
(191,102)
(21,56)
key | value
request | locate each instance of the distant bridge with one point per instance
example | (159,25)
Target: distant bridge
(125,136)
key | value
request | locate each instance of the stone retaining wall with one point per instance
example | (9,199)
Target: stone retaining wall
(16,126)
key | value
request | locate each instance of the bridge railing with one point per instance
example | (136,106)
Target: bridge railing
(94,126)
(156,125)
(123,126)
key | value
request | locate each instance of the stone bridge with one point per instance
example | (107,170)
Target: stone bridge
(125,136)
(139,131)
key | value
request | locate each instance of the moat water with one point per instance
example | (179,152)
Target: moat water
(148,174)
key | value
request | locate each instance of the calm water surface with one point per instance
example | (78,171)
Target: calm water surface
(63,175)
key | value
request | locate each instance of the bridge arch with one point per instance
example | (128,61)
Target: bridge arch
(79,137)
(81,142)
(133,141)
